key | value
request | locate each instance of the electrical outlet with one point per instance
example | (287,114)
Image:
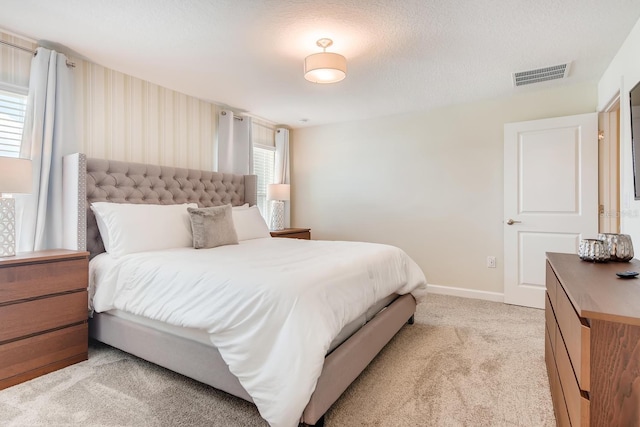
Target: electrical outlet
(491,262)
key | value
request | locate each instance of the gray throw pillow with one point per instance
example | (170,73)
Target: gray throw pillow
(212,227)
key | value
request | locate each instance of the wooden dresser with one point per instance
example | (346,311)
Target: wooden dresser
(293,233)
(43,313)
(592,347)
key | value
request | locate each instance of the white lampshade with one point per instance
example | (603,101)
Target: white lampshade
(278,192)
(325,67)
(15,175)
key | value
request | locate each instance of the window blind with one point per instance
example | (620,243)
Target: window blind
(263,167)
(12,112)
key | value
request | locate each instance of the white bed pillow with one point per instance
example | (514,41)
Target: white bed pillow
(250,224)
(129,228)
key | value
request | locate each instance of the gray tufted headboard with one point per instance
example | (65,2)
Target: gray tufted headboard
(87,180)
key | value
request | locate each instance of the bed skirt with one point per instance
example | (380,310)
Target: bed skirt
(204,363)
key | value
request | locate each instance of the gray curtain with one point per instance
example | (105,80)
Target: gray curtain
(49,134)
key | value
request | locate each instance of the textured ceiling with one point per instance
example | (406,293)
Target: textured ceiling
(403,55)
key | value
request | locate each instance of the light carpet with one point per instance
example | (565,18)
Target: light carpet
(463,363)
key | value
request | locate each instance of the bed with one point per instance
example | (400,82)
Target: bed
(186,349)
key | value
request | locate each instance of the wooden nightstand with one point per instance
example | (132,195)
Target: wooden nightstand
(293,233)
(43,313)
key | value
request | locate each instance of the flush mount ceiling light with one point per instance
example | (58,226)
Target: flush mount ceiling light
(325,67)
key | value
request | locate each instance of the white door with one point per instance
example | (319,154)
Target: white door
(550,198)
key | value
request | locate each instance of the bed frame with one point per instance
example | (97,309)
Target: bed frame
(91,180)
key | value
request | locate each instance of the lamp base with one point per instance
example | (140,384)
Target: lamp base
(277,215)
(7,226)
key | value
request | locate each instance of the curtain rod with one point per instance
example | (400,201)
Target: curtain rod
(31,51)
(224,113)
(26,49)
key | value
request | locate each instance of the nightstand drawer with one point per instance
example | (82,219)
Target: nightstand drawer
(22,356)
(31,317)
(34,280)
(293,233)
(304,235)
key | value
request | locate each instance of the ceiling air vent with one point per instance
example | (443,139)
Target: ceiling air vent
(522,78)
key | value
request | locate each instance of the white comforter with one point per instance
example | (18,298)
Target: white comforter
(271,306)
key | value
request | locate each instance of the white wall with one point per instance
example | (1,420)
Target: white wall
(430,183)
(620,77)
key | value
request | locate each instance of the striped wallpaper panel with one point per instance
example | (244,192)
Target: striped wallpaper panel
(124,118)
(263,133)
(15,64)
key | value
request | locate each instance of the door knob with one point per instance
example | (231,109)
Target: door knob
(511,222)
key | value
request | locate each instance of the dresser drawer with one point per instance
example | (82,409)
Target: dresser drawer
(550,321)
(559,406)
(597,349)
(34,280)
(552,285)
(31,317)
(577,402)
(22,356)
(576,336)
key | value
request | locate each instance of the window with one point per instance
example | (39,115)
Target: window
(263,165)
(12,112)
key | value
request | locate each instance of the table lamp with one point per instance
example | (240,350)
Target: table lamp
(15,177)
(278,193)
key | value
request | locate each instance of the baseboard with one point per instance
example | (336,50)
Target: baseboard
(465,293)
